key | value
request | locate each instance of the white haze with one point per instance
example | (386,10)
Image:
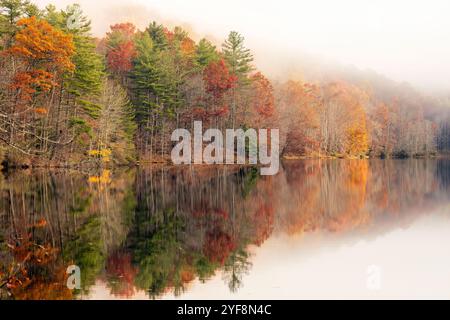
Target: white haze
(406,40)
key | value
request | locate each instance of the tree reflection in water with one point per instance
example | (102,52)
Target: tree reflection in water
(158,230)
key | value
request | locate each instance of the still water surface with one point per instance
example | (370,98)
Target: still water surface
(319,229)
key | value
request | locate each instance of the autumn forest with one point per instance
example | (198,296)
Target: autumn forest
(87,178)
(70,99)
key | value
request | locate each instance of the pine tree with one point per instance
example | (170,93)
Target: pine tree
(158,36)
(10,12)
(89,72)
(164,62)
(238,57)
(79,91)
(239,60)
(86,81)
(206,53)
(148,89)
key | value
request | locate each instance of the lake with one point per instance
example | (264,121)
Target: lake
(328,229)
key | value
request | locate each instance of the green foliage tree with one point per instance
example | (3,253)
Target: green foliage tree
(86,81)
(164,61)
(158,36)
(206,53)
(79,90)
(10,12)
(237,56)
(238,59)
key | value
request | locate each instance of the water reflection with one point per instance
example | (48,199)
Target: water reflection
(157,233)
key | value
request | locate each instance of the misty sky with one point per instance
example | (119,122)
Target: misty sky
(406,40)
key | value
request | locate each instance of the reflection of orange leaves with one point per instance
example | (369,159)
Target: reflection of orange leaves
(35,274)
(218,246)
(41,223)
(40,110)
(25,250)
(187,274)
(351,212)
(263,223)
(119,267)
(104,178)
(358,173)
(42,288)
(322,205)
(383,200)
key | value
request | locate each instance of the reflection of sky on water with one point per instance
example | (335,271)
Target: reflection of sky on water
(414,261)
(310,232)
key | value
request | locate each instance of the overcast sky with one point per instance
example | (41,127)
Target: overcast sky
(406,40)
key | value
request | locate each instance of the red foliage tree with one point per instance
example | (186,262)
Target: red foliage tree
(120,58)
(299,103)
(218,81)
(120,268)
(263,99)
(218,246)
(120,49)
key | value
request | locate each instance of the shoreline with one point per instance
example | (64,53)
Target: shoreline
(170,165)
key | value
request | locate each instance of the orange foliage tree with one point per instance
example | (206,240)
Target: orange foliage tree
(44,54)
(120,48)
(298,103)
(383,131)
(263,99)
(218,81)
(343,120)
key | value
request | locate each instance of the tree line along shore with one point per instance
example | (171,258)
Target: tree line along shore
(70,99)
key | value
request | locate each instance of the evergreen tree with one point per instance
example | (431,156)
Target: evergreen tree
(148,89)
(86,82)
(10,12)
(158,36)
(238,57)
(80,89)
(206,53)
(54,16)
(163,63)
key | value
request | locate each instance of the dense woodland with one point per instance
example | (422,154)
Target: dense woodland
(67,98)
